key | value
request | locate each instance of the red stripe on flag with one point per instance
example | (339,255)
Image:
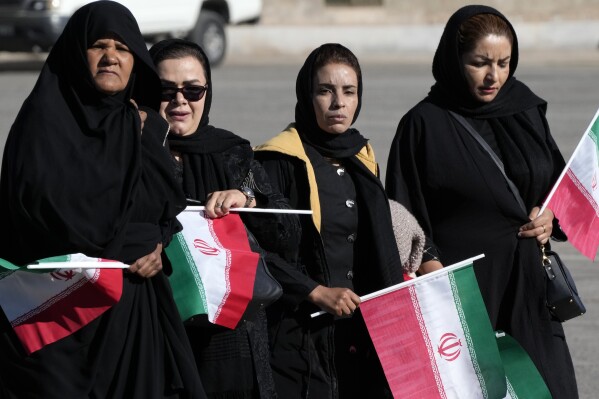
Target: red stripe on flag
(240,269)
(392,322)
(71,313)
(576,214)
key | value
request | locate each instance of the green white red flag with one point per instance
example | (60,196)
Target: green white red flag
(213,268)
(45,307)
(575,197)
(434,338)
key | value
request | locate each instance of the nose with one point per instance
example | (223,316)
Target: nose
(492,73)
(338,101)
(179,98)
(109,57)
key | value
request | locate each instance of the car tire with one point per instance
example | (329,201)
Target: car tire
(209,33)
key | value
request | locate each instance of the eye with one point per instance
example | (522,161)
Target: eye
(122,47)
(194,89)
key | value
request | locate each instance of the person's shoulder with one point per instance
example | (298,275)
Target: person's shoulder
(424,110)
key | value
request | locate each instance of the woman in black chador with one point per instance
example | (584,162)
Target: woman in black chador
(218,168)
(439,170)
(347,247)
(85,172)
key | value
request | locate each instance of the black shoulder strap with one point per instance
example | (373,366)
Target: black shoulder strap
(493,156)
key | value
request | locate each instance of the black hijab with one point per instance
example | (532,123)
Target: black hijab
(516,115)
(337,146)
(451,87)
(204,168)
(72,165)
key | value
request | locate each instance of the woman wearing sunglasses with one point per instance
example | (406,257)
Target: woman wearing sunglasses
(218,169)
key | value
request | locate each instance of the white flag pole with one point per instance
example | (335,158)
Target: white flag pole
(561,176)
(420,279)
(77,265)
(256,210)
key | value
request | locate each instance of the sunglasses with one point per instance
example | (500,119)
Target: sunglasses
(190,93)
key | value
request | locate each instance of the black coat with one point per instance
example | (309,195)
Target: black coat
(325,355)
(461,200)
(79,176)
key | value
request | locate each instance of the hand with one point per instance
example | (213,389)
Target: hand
(337,301)
(219,202)
(429,266)
(540,226)
(149,265)
(142,114)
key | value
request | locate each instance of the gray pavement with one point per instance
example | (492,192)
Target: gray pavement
(255,97)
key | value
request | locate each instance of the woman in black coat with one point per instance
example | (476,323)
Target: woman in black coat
(81,175)
(217,168)
(347,247)
(459,195)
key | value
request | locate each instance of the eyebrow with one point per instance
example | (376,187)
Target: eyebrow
(164,81)
(328,85)
(485,58)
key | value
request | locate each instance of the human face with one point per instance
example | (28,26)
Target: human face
(184,116)
(110,64)
(335,97)
(487,67)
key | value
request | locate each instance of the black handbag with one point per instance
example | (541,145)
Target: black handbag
(562,298)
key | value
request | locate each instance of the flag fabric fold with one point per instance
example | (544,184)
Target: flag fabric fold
(434,338)
(214,268)
(523,379)
(575,198)
(45,307)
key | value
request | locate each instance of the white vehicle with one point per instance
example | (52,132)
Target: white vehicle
(34,25)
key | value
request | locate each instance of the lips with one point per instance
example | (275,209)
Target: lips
(488,90)
(338,118)
(178,115)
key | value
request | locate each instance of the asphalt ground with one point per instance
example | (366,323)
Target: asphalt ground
(255,97)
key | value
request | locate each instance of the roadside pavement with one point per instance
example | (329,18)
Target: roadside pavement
(565,41)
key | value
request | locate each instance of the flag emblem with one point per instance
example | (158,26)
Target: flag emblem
(205,248)
(450,347)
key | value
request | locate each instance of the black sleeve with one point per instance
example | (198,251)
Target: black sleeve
(288,270)
(279,233)
(403,179)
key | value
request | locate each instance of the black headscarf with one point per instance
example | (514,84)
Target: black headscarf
(331,145)
(204,170)
(451,87)
(75,160)
(516,115)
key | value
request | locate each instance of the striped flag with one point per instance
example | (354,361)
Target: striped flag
(523,379)
(575,197)
(434,338)
(45,307)
(213,268)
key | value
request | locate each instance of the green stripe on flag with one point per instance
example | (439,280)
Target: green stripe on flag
(188,289)
(522,375)
(594,132)
(479,332)
(59,258)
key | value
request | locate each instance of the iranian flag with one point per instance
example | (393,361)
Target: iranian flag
(575,197)
(45,307)
(213,268)
(434,338)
